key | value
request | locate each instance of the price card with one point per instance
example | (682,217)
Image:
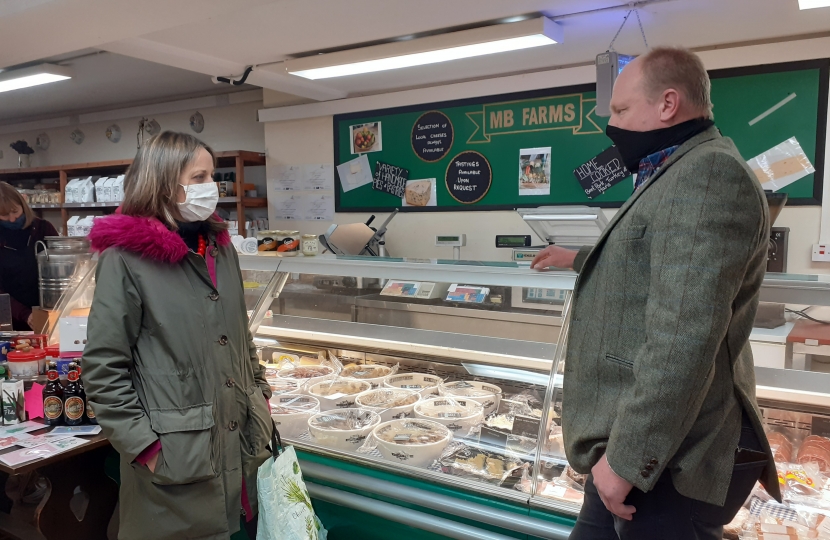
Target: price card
(390,178)
(493,437)
(601,173)
(526,426)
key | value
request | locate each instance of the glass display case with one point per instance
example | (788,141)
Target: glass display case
(466,377)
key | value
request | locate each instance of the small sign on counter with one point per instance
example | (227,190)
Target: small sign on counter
(467,293)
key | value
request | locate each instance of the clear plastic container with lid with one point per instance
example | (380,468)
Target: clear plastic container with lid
(24,364)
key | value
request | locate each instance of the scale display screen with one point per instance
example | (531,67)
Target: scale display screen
(512,240)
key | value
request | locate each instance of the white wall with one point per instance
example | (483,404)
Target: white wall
(233,127)
(309,140)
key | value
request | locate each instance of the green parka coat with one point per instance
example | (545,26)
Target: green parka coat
(169,358)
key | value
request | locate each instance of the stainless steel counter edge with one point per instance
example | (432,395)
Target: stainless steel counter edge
(405,516)
(442,503)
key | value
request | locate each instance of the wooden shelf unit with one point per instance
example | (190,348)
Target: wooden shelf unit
(239,159)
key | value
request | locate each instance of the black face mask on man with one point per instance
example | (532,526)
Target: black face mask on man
(637,145)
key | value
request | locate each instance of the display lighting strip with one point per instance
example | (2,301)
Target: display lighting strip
(429,50)
(812,4)
(32,76)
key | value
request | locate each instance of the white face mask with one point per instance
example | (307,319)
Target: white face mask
(200,201)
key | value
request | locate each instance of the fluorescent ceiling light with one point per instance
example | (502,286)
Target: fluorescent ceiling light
(811,4)
(429,50)
(33,76)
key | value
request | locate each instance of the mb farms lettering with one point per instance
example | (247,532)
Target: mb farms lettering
(573,112)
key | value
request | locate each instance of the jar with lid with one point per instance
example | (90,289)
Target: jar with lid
(288,243)
(267,240)
(310,245)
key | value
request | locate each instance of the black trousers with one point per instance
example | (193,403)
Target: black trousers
(664,513)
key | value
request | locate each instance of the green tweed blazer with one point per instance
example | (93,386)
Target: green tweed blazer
(658,362)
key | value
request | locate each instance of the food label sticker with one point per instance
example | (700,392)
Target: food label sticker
(402,437)
(450,415)
(462,384)
(553,491)
(337,396)
(412,386)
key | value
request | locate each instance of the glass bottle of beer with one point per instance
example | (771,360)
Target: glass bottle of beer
(53,397)
(73,403)
(90,416)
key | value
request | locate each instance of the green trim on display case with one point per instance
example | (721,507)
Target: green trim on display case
(518,518)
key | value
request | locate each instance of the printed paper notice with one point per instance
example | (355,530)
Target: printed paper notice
(354,173)
(287,177)
(318,177)
(287,206)
(316,207)
(304,206)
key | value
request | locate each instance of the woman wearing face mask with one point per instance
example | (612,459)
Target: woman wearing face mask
(170,368)
(19,232)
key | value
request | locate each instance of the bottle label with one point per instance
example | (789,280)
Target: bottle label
(53,376)
(89,412)
(52,407)
(74,408)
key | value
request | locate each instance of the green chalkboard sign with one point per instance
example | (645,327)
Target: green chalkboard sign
(520,150)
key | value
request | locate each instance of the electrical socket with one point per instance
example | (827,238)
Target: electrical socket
(821,252)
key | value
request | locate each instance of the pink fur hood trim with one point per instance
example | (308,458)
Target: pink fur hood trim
(146,236)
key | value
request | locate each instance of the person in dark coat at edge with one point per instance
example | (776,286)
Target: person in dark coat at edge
(659,403)
(170,368)
(20,231)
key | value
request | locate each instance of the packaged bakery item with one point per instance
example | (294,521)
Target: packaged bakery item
(732,530)
(471,461)
(815,449)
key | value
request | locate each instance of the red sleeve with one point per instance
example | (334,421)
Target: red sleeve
(148,453)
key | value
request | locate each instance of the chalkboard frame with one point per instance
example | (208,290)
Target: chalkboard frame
(823,65)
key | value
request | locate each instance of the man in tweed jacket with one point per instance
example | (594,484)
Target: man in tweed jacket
(659,389)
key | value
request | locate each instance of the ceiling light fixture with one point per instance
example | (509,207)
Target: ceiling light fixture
(33,76)
(429,50)
(812,4)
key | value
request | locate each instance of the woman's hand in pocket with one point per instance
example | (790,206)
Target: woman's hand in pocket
(151,463)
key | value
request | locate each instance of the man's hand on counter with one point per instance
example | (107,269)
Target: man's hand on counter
(554,256)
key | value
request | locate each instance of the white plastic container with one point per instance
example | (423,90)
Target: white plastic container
(338,394)
(383,400)
(329,428)
(458,414)
(412,442)
(305,376)
(375,374)
(426,384)
(291,413)
(24,364)
(485,393)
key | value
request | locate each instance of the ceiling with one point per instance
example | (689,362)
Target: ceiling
(161,50)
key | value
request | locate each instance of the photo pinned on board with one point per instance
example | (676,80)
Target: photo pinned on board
(534,171)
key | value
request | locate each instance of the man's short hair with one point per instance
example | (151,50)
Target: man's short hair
(680,69)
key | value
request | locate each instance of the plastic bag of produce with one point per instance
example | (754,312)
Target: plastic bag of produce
(285,511)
